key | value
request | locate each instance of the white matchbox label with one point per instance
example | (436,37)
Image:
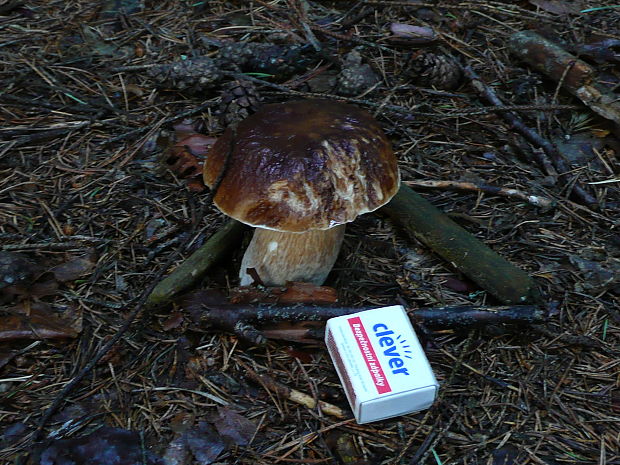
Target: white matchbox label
(381,364)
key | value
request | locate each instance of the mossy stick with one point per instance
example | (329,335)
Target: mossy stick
(422,220)
(192,269)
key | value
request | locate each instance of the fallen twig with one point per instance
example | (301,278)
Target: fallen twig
(288,91)
(505,8)
(73,242)
(437,433)
(410,113)
(470,186)
(530,135)
(420,219)
(45,134)
(493,273)
(254,322)
(293,395)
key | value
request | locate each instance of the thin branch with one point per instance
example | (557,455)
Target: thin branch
(530,135)
(487,189)
(246,321)
(301,398)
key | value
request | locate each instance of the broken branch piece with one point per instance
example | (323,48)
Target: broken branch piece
(293,395)
(536,200)
(575,75)
(473,258)
(254,323)
(191,270)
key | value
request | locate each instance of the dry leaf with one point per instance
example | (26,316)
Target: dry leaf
(602,51)
(15,268)
(34,321)
(75,268)
(173,321)
(104,446)
(201,442)
(234,427)
(41,287)
(185,158)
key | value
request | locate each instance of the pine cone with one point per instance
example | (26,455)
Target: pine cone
(195,75)
(279,60)
(439,71)
(239,99)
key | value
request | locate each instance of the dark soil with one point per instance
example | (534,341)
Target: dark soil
(83,133)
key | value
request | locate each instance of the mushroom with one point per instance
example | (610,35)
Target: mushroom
(299,171)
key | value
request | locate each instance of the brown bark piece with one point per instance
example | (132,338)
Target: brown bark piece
(575,75)
(294,292)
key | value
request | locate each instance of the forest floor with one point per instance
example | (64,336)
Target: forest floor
(91,215)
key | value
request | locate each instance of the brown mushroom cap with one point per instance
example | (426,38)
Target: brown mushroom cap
(302,165)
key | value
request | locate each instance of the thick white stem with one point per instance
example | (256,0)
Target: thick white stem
(279,257)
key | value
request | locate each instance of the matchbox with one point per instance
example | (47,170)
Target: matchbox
(381,364)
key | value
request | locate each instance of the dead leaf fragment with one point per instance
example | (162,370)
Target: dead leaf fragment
(507,455)
(104,446)
(186,156)
(186,127)
(13,433)
(234,427)
(201,443)
(75,268)
(42,286)
(602,51)
(173,321)
(460,285)
(34,321)
(196,144)
(344,447)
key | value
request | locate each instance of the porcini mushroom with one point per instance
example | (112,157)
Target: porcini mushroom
(299,171)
